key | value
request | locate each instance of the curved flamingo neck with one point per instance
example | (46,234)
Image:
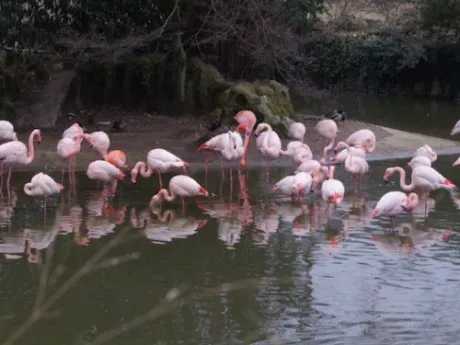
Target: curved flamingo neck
(331,172)
(28,188)
(31,152)
(328,147)
(266,126)
(402,179)
(166,195)
(144,169)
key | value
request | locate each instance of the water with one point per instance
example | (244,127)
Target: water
(429,117)
(313,278)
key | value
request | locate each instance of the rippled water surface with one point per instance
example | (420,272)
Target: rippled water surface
(241,267)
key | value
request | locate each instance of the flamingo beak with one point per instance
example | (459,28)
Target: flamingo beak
(203,191)
(240,127)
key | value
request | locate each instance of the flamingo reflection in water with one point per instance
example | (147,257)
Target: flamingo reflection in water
(102,218)
(266,222)
(7,209)
(305,221)
(408,239)
(166,225)
(13,244)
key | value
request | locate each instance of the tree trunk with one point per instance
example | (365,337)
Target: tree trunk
(181,69)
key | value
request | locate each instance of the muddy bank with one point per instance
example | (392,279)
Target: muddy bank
(183,135)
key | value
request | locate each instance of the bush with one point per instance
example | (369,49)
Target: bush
(441,16)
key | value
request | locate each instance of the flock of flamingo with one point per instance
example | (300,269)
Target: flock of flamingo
(310,175)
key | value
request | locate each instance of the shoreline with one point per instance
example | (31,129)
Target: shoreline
(183,135)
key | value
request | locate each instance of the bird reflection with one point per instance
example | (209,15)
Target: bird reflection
(163,226)
(7,208)
(266,222)
(335,236)
(69,216)
(357,212)
(102,218)
(13,244)
(307,222)
(408,238)
(39,240)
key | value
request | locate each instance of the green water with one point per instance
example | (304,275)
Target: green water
(242,267)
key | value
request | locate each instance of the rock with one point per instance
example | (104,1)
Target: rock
(221,98)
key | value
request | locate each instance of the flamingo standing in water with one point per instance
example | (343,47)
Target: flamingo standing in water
(100,141)
(106,172)
(67,149)
(327,129)
(419,160)
(230,145)
(356,165)
(297,131)
(268,142)
(246,120)
(298,151)
(318,172)
(342,155)
(332,190)
(426,151)
(16,152)
(179,185)
(7,133)
(42,185)
(158,160)
(75,130)
(394,203)
(424,178)
(364,138)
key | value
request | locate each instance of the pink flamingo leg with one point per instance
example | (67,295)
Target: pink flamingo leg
(8,181)
(184,205)
(1,180)
(231,182)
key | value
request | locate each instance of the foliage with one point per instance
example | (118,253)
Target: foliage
(441,16)
(368,61)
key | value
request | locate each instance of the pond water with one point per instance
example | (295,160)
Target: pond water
(241,267)
(425,116)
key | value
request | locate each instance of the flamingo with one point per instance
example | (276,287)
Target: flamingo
(298,151)
(160,160)
(316,170)
(7,133)
(342,155)
(364,138)
(302,183)
(268,142)
(327,128)
(285,185)
(297,131)
(394,203)
(16,152)
(42,185)
(246,120)
(457,162)
(419,160)
(106,172)
(424,178)
(332,190)
(179,185)
(357,166)
(100,141)
(67,149)
(426,151)
(75,130)
(456,128)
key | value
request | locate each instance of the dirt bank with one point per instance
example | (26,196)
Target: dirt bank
(182,136)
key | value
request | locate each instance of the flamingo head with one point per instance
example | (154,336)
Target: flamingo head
(241,128)
(156,199)
(202,223)
(88,139)
(335,198)
(202,191)
(340,146)
(297,189)
(411,202)
(375,212)
(387,174)
(117,158)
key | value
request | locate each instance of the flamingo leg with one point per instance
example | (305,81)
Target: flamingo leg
(159,179)
(231,183)
(1,180)
(44,212)
(184,205)
(8,182)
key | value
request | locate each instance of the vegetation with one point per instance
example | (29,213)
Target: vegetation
(176,56)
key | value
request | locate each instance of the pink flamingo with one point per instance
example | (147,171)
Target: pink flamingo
(456,128)
(67,149)
(318,172)
(285,185)
(75,130)
(327,128)
(246,120)
(394,203)
(100,141)
(302,183)
(426,151)
(419,160)
(106,172)
(230,145)
(42,185)
(160,160)
(297,131)
(364,138)
(268,142)
(457,162)
(332,190)
(298,151)
(424,178)
(16,152)
(179,185)
(357,150)
(357,166)
(7,133)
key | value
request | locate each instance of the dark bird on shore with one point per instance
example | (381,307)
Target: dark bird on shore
(337,115)
(117,127)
